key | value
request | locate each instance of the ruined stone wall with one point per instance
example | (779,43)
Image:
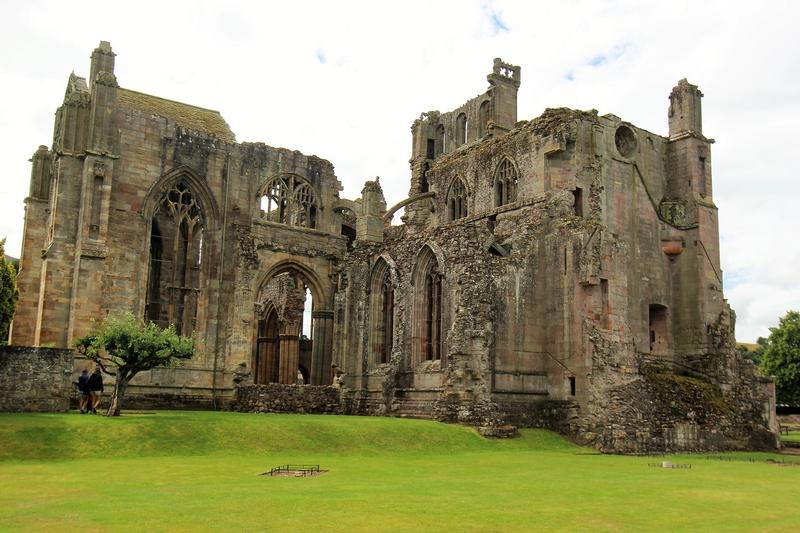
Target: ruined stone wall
(279,398)
(35,379)
(116,153)
(582,302)
(549,299)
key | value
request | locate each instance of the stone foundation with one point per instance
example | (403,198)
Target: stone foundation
(35,379)
(666,412)
(280,398)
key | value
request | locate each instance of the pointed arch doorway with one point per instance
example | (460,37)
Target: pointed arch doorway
(293,332)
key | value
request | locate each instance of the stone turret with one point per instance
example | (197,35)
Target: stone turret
(685,110)
(103,87)
(369,225)
(698,275)
(504,82)
(40,174)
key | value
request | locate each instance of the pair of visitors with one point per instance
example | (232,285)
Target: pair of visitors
(95,384)
(83,391)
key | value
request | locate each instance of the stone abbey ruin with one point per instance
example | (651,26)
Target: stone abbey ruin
(559,272)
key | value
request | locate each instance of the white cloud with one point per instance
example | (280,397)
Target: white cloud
(259,63)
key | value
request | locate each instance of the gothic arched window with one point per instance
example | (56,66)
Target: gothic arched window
(176,251)
(461,129)
(427,328)
(457,200)
(289,199)
(505,183)
(483,118)
(382,313)
(439,140)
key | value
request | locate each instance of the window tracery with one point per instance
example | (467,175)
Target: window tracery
(381,291)
(291,200)
(505,183)
(428,311)
(176,244)
(457,200)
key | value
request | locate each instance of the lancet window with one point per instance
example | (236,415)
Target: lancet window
(428,309)
(505,183)
(457,200)
(382,307)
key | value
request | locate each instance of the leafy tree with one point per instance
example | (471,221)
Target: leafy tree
(123,346)
(8,292)
(754,354)
(782,358)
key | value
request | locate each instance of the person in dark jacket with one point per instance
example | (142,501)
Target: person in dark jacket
(95,388)
(83,390)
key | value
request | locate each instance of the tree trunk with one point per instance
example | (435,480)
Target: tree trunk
(120,386)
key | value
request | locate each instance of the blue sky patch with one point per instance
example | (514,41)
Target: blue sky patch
(612,55)
(496,19)
(321,56)
(735,277)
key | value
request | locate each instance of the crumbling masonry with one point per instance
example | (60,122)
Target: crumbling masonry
(561,272)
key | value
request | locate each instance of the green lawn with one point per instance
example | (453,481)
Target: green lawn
(198,471)
(793,436)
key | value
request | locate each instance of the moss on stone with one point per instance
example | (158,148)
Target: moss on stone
(188,116)
(685,393)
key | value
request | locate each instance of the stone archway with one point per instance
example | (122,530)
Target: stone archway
(279,339)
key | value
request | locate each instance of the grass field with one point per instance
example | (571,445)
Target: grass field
(793,436)
(182,471)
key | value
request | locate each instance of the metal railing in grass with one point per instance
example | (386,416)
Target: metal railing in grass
(298,470)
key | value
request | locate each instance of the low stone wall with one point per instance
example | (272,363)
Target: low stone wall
(35,379)
(278,398)
(561,416)
(664,412)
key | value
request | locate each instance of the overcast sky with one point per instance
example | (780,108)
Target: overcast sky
(345,80)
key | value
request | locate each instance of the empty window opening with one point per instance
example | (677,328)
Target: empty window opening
(577,205)
(176,242)
(289,199)
(461,129)
(350,233)
(658,329)
(606,307)
(498,250)
(430,152)
(483,118)
(308,305)
(626,142)
(387,318)
(428,340)
(440,140)
(572,385)
(505,183)
(382,313)
(423,180)
(457,200)
(433,316)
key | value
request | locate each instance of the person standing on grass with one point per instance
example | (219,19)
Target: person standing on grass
(83,390)
(95,388)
